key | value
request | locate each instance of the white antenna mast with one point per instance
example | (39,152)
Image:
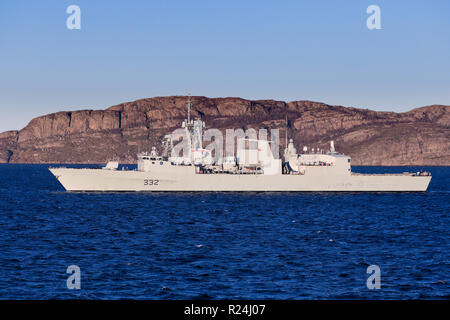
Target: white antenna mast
(189,107)
(286,132)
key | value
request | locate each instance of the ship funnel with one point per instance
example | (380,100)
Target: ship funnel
(332,150)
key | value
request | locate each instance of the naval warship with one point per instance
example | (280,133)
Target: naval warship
(254,168)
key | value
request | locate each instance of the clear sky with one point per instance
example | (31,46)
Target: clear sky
(256,49)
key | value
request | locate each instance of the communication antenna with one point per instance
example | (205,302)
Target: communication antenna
(286,133)
(189,107)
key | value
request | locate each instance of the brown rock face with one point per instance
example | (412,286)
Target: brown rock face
(8,142)
(418,137)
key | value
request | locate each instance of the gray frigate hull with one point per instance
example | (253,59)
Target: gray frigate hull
(186,179)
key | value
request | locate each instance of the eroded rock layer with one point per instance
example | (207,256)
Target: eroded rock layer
(418,137)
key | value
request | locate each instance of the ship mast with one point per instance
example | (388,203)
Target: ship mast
(189,107)
(286,132)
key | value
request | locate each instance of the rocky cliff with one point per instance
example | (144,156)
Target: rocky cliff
(418,137)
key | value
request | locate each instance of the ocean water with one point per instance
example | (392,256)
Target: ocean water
(222,245)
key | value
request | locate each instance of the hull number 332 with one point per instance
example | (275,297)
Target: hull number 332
(151,182)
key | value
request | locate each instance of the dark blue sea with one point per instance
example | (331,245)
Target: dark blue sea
(222,245)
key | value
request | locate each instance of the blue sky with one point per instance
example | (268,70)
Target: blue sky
(284,50)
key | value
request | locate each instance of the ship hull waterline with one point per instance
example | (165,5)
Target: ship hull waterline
(98,180)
